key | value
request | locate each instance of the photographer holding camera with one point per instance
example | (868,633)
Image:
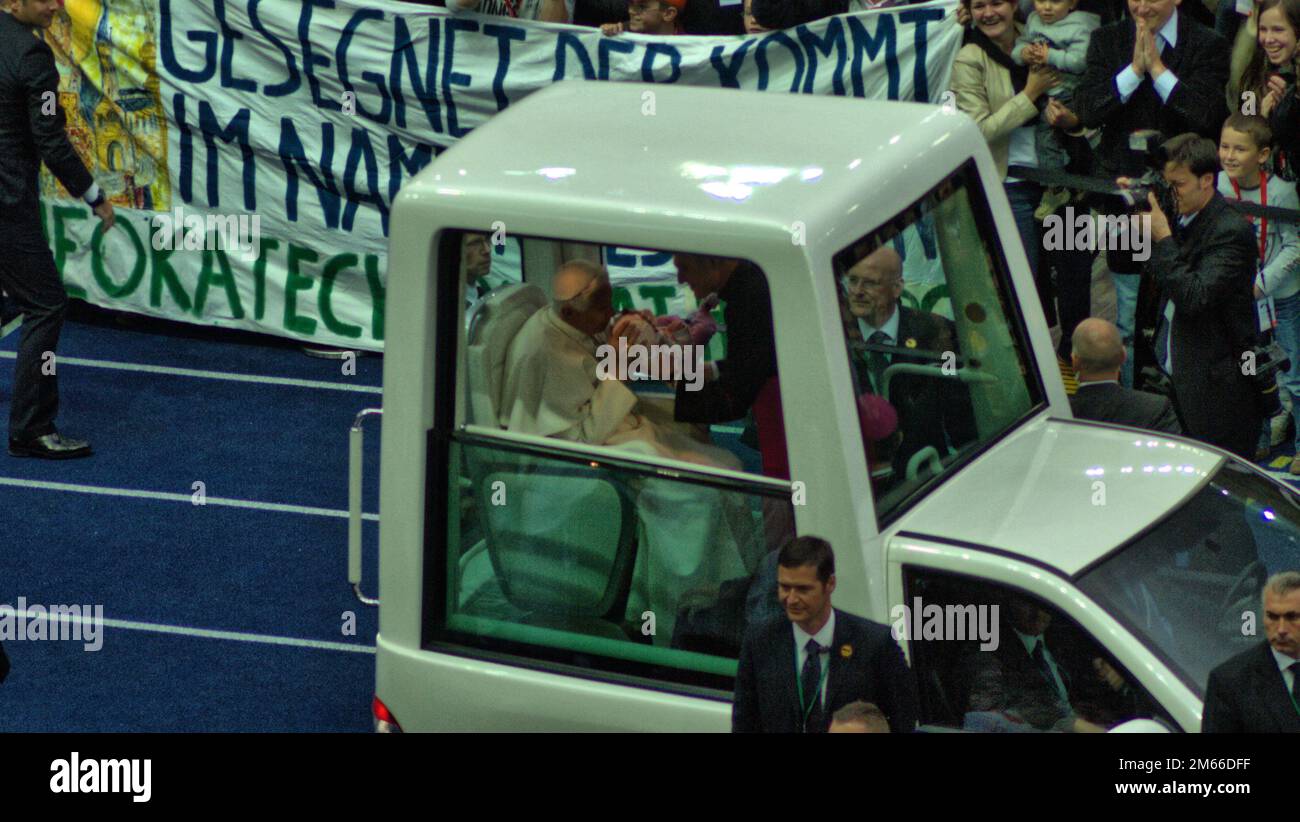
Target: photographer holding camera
(1203,267)
(1158,69)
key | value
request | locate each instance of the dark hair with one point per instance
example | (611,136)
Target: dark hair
(800,551)
(1200,155)
(1255,76)
(1253,126)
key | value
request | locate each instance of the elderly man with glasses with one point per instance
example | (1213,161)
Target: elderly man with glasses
(933,411)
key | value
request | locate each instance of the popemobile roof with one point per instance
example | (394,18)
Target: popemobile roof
(633,152)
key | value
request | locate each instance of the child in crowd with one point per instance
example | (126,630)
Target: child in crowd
(1057,36)
(1243,153)
(649,17)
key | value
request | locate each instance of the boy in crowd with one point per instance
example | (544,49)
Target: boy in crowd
(1055,36)
(649,17)
(1243,153)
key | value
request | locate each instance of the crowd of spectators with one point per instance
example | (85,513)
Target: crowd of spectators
(1155,88)
(1084,86)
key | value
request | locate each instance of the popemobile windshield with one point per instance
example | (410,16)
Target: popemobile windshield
(598,574)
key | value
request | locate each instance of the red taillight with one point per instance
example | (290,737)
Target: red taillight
(385,722)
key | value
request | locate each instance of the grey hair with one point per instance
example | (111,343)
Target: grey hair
(1281,584)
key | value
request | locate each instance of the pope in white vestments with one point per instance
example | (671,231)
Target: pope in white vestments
(693,537)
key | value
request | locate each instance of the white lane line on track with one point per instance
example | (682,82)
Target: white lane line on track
(14,325)
(186,498)
(210,375)
(206,633)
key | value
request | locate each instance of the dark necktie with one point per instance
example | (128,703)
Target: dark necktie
(877,362)
(810,680)
(1040,658)
(1295,684)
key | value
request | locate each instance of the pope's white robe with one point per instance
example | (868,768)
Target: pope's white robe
(694,538)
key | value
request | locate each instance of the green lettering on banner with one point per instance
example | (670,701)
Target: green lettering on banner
(332,270)
(100,273)
(293,283)
(208,277)
(62,244)
(259,277)
(622,299)
(161,271)
(660,294)
(377,296)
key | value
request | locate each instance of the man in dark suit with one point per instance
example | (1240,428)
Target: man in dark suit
(1098,353)
(1161,70)
(31,132)
(1203,270)
(1258,691)
(933,411)
(796,671)
(747,378)
(1040,677)
(1157,70)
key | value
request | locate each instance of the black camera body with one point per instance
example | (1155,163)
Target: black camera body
(1150,144)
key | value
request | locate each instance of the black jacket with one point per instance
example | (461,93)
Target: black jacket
(28,136)
(1207,272)
(865,664)
(1199,61)
(1111,402)
(1247,694)
(751,353)
(932,411)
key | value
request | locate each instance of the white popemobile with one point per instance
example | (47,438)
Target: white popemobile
(526,583)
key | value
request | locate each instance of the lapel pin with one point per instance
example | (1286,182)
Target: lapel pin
(910,342)
(846,650)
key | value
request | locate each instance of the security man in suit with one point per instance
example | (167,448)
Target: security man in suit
(797,670)
(933,411)
(1203,267)
(32,132)
(1258,691)
(1098,353)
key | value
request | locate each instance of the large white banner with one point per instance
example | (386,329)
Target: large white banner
(254,147)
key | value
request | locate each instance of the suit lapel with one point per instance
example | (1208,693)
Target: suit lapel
(788,674)
(838,663)
(1191,236)
(1172,56)
(1271,691)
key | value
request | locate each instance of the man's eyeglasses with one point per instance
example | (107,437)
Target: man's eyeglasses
(861,283)
(642,8)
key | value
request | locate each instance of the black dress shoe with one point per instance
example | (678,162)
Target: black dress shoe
(50,447)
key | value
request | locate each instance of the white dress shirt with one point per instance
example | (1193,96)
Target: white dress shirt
(890,329)
(1127,81)
(1183,222)
(1285,662)
(1029,642)
(824,638)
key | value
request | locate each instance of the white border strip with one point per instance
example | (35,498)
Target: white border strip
(208,633)
(210,375)
(187,498)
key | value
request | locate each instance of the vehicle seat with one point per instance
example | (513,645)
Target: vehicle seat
(563,541)
(494,324)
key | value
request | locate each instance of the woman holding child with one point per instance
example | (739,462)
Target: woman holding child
(1001,97)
